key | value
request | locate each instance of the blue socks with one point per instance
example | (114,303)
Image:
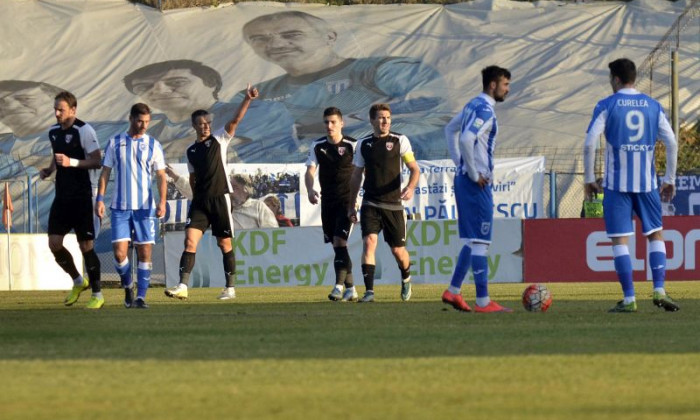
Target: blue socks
(461,268)
(124,270)
(657,263)
(623,267)
(143,279)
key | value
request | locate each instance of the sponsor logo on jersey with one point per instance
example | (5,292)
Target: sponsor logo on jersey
(478,123)
(389,146)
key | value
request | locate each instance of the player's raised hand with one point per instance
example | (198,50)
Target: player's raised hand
(251,92)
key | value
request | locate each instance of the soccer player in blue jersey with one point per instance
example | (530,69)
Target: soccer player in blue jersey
(471,138)
(632,123)
(136,157)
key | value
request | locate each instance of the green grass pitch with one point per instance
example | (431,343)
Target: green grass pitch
(289,353)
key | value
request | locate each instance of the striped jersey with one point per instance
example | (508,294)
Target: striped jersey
(334,162)
(632,122)
(382,159)
(471,137)
(134,161)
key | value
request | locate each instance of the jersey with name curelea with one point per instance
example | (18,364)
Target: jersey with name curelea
(334,162)
(76,142)
(382,159)
(207,160)
(134,160)
(631,121)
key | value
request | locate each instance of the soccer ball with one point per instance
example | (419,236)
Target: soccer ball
(536,298)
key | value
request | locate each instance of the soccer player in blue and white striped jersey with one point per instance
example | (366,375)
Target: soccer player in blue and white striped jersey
(136,157)
(471,138)
(632,123)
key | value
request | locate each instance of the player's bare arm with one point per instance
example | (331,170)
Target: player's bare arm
(409,189)
(91,162)
(162,191)
(309,180)
(101,189)
(251,93)
(355,181)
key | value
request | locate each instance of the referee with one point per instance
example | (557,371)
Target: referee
(211,204)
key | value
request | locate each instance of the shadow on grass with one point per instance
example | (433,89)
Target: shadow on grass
(208,330)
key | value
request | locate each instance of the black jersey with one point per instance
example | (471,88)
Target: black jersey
(382,159)
(207,160)
(335,168)
(77,142)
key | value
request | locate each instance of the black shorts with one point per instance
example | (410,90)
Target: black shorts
(334,218)
(72,214)
(214,211)
(392,222)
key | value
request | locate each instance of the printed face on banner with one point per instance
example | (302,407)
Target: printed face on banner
(290,41)
(174,90)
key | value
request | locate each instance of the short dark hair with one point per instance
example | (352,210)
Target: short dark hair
(209,76)
(493,74)
(199,113)
(624,69)
(332,111)
(314,21)
(17,85)
(68,98)
(374,110)
(139,109)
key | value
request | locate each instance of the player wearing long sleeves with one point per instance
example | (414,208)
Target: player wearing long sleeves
(471,138)
(632,122)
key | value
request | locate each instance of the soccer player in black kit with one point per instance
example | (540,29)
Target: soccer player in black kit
(380,157)
(76,152)
(333,155)
(211,204)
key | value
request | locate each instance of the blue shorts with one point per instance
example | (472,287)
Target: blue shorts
(474,209)
(619,207)
(141,222)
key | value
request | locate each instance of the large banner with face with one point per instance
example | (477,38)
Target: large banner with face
(424,60)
